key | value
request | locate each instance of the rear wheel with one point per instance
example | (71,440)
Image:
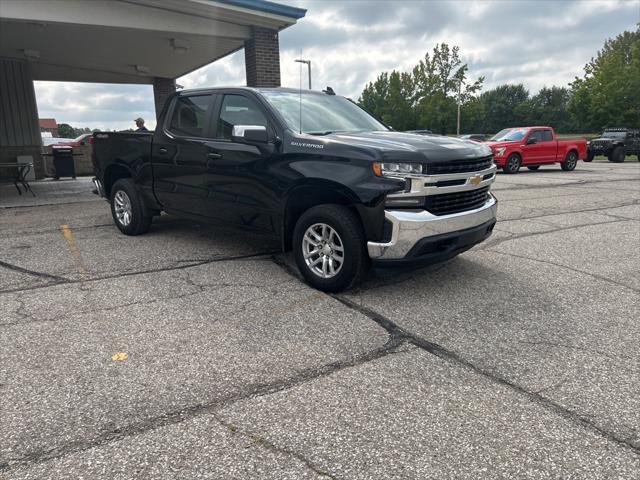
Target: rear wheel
(617,155)
(329,248)
(570,161)
(534,167)
(512,165)
(127,208)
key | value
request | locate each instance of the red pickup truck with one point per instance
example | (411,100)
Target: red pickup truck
(535,146)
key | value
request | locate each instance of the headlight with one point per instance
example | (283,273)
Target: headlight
(588,143)
(500,151)
(395,169)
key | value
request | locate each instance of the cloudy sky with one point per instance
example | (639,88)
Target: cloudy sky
(350,42)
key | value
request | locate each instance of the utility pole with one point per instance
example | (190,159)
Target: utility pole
(308,62)
(459,92)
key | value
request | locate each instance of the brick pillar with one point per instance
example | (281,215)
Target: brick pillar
(162,89)
(262,58)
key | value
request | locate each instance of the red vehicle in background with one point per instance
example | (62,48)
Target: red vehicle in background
(533,147)
(84,139)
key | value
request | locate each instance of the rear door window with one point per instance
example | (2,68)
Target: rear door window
(547,136)
(190,116)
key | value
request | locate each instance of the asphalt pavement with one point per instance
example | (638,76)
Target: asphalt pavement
(196,351)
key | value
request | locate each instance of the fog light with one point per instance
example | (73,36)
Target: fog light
(404,202)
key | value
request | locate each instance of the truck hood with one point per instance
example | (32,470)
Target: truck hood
(399,146)
(494,145)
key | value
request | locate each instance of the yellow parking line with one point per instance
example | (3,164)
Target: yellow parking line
(75,251)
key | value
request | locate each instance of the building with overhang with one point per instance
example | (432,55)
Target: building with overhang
(124,41)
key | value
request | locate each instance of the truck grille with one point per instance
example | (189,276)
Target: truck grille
(447,203)
(459,166)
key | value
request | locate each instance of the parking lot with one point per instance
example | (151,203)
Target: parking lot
(197,352)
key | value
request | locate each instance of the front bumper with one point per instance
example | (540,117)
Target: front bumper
(420,235)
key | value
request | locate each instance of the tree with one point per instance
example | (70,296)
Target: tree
(549,107)
(608,95)
(504,106)
(374,96)
(425,98)
(66,131)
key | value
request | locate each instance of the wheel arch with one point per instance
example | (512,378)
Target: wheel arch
(112,174)
(303,196)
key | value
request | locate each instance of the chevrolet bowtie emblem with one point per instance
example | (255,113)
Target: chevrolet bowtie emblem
(474,180)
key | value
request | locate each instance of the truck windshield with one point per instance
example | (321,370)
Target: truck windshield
(321,114)
(509,135)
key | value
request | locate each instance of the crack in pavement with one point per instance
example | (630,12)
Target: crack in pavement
(569,212)
(577,183)
(234,430)
(517,236)
(575,347)
(456,359)
(33,273)
(565,267)
(394,344)
(141,272)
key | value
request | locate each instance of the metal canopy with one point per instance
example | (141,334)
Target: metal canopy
(130,41)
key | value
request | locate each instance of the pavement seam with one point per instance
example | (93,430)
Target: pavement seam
(577,183)
(393,345)
(566,267)
(235,430)
(515,236)
(136,272)
(569,212)
(455,359)
(34,273)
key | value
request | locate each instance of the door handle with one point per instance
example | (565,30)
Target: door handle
(214,156)
(162,150)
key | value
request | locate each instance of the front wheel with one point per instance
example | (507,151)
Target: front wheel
(127,208)
(512,165)
(617,155)
(590,157)
(329,248)
(570,162)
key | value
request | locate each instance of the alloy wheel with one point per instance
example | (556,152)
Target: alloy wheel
(323,250)
(122,207)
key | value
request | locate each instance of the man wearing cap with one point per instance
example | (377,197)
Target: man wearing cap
(140,124)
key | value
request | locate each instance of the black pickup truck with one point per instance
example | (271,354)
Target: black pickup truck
(335,185)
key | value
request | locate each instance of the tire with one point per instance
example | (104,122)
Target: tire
(570,161)
(127,208)
(590,157)
(330,227)
(617,155)
(534,167)
(513,163)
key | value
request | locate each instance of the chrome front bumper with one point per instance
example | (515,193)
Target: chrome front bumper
(410,227)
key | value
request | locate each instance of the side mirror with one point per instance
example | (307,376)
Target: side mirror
(250,133)
(531,141)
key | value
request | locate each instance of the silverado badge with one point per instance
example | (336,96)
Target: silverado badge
(475,180)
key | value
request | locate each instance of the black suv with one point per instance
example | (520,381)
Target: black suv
(615,143)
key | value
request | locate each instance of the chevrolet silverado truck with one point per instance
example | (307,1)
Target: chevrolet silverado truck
(533,147)
(615,144)
(336,186)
